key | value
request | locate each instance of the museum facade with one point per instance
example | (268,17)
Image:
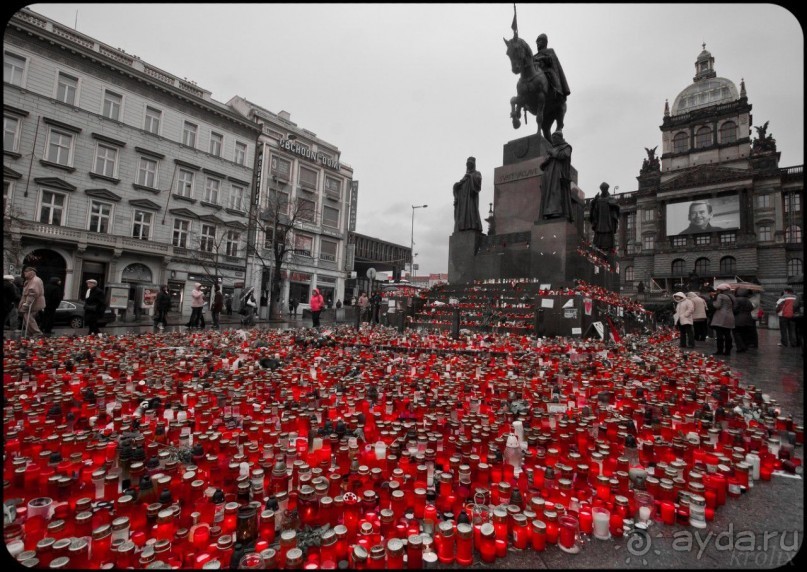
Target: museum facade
(715,202)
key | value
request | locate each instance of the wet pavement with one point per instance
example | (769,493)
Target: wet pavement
(762,529)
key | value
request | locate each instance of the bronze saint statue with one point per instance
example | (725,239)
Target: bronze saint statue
(556,194)
(466,199)
(604,218)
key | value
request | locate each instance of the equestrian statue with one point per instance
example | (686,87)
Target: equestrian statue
(541,88)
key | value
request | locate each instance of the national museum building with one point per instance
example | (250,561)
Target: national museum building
(709,162)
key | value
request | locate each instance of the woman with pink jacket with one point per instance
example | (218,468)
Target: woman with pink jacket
(316,303)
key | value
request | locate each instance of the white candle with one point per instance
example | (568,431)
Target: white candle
(601,522)
(644,513)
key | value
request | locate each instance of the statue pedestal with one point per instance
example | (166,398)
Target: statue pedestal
(553,253)
(462,248)
(524,245)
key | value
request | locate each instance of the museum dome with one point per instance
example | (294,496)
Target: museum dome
(707,89)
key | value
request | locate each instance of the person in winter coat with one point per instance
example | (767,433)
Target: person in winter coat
(699,316)
(723,318)
(786,310)
(217,305)
(94,306)
(316,304)
(248,307)
(11,296)
(684,310)
(364,304)
(162,305)
(744,328)
(375,306)
(31,302)
(53,297)
(197,319)
(706,295)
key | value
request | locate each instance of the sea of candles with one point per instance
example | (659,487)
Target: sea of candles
(186,448)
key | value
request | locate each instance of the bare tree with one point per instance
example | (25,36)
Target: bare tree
(209,250)
(279,222)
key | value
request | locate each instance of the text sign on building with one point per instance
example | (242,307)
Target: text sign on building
(302,151)
(258,174)
(350,256)
(354,196)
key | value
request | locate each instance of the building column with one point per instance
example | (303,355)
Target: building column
(78,268)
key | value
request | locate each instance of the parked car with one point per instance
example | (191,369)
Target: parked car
(71,313)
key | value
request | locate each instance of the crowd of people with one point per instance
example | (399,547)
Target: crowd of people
(731,318)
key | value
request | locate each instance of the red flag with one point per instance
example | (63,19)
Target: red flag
(612,330)
(514,25)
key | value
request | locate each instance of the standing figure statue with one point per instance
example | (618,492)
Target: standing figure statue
(466,199)
(604,218)
(546,59)
(556,193)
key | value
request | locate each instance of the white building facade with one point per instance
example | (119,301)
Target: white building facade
(301,168)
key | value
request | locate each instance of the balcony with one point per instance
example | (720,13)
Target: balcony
(86,238)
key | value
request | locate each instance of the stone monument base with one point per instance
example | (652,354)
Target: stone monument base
(522,244)
(462,248)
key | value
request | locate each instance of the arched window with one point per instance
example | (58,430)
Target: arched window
(680,142)
(794,267)
(728,265)
(703,137)
(678,267)
(728,132)
(629,274)
(702,266)
(793,234)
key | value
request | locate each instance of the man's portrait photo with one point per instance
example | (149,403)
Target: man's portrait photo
(703,215)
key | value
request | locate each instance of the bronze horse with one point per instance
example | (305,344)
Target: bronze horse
(534,93)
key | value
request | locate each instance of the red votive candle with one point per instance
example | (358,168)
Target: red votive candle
(667,512)
(487,546)
(465,551)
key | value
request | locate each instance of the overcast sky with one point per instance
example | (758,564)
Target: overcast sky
(408,91)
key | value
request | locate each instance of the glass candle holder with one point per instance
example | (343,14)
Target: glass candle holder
(446,548)
(602,519)
(487,545)
(645,507)
(538,535)
(414,552)
(464,535)
(568,536)
(251,561)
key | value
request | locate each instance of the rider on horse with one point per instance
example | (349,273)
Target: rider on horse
(547,60)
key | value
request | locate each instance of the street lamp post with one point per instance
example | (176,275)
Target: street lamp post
(412,243)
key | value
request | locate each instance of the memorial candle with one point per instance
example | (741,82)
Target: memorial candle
(602,519)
